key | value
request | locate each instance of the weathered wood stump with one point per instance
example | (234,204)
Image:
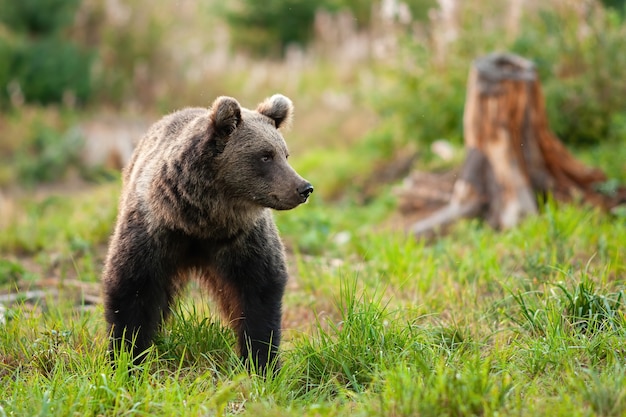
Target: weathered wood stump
(512,156)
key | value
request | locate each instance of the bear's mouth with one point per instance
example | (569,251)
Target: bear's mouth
(289,203)
(303,199)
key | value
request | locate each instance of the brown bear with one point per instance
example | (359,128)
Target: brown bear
(196,200)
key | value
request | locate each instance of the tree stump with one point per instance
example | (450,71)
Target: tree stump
(512,156)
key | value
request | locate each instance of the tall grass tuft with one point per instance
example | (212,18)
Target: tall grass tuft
(581,309)
(591,312)
(192,340)
(348,354)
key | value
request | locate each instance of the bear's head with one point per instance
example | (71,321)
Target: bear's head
(251,153)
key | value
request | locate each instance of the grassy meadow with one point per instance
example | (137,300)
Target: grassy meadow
(477,322)
(524,322)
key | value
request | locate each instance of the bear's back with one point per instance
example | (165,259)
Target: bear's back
(171,126)
(164,135)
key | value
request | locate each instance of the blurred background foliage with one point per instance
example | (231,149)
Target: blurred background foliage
(42,64)
(269,28)
(390,75)
(575,46)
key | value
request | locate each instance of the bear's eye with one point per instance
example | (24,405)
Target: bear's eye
(268,157)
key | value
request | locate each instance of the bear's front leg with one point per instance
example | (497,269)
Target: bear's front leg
(138,288)
(260,329)
(254,276)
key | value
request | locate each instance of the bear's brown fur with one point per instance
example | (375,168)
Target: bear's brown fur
(196,198)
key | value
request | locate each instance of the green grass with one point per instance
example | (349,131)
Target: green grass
(62,222)
(528,321)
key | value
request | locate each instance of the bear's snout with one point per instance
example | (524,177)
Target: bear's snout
(305,191)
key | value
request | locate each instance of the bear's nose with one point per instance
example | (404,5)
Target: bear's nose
(305,191)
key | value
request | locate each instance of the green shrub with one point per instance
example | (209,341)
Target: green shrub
(37,17)
(40,64)
(362,9)
(267,28)
(619,5)
(51,70)
(6,57)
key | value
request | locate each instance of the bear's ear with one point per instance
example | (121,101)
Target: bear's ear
(278,108)
(225,116)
